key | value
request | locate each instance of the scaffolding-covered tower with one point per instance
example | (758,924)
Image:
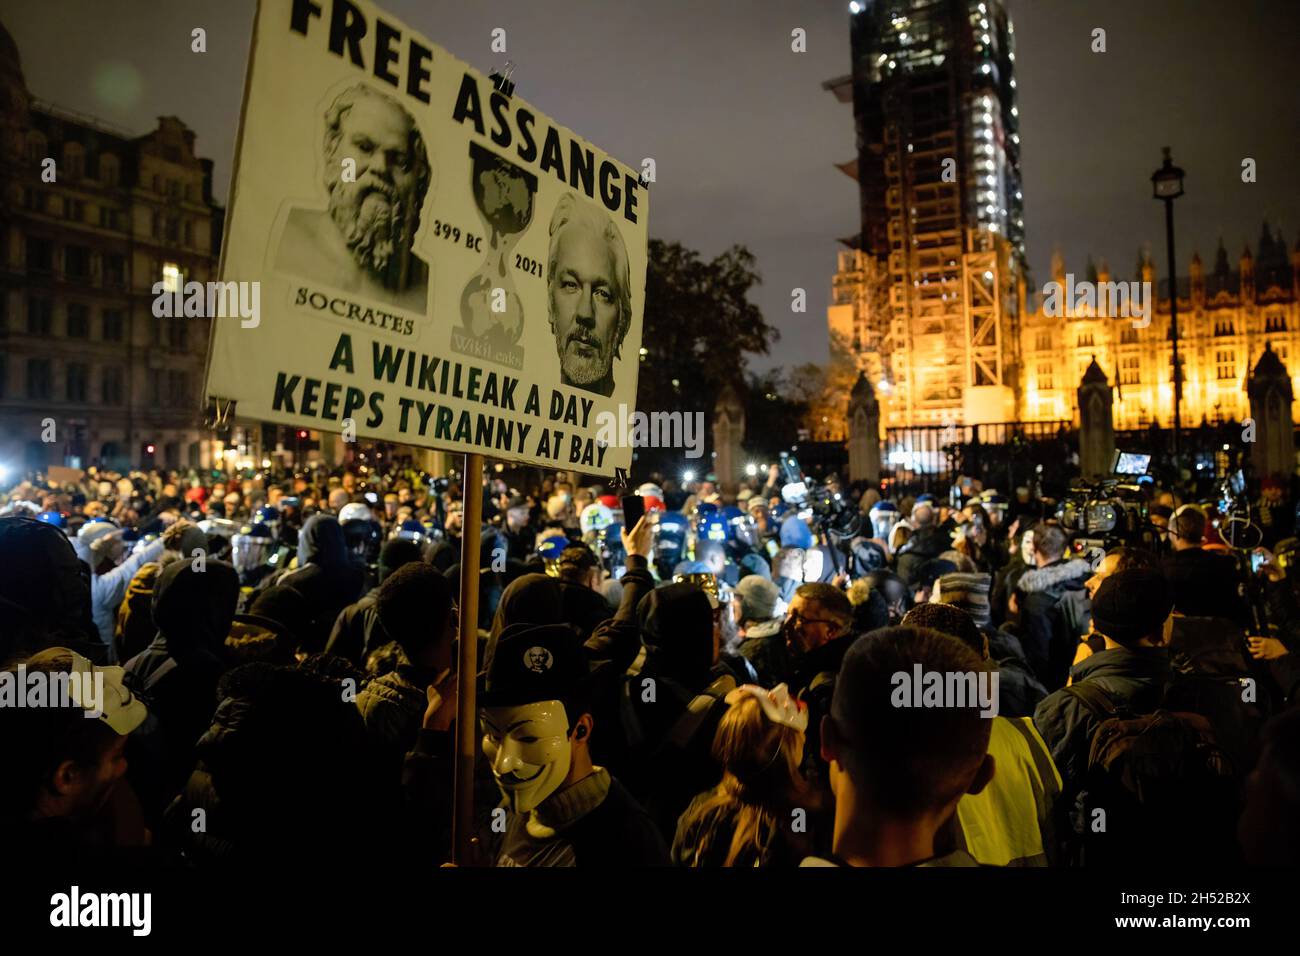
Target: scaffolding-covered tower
(936,284)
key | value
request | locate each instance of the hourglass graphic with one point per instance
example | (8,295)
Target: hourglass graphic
(491,312)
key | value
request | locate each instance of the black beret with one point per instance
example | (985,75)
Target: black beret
(532,663)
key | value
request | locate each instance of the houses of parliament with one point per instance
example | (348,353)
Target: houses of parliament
(931,296)
(1229,311)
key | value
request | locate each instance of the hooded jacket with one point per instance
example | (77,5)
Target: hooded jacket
(177,674)
(927,543)
(1019,691)
(677,630)
(325,576)
(672,766)
(45,592)
(584,608)
(1054,614)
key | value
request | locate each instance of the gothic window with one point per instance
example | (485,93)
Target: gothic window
(1225,364)
(1130,370)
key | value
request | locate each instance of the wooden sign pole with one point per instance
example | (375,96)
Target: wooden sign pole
(466,717)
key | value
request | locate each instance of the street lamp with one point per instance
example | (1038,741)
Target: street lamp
(1167,185)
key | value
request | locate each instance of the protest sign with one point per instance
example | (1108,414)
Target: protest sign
(439,264)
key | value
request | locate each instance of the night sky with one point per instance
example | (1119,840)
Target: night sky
(743,135)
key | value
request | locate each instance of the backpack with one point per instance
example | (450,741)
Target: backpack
(636,744)
(1157,787)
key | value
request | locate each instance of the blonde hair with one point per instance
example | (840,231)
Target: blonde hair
(760,779)
(860,591)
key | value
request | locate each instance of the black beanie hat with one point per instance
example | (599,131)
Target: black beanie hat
(1131,605)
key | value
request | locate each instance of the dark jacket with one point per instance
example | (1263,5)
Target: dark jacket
(1019,691)
(177,675)
(617,834)
(764,648)
(813,682)
(428,794)
(1204,584)
(671,761)
(1284,611)
(283,762)
(1053,616)
(616,641)
(357,630)
(1134,678)
(325,576)
(392,707)
(1004,585)
(518,544)
(927,543)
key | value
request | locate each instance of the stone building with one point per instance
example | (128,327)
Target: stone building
(1226,317)
(87,373)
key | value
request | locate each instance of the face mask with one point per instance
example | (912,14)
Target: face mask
(1027,549)
(528,749)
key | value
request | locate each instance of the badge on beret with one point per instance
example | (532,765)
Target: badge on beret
(538,660)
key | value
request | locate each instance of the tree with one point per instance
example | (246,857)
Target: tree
(700,329)
(773,416)
(823,391)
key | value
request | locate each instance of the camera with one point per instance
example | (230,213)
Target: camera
(1109,512)
(826,510)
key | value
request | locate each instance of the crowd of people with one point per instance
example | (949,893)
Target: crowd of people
(715,683)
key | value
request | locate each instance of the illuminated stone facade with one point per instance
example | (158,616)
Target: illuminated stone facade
(1226,315)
